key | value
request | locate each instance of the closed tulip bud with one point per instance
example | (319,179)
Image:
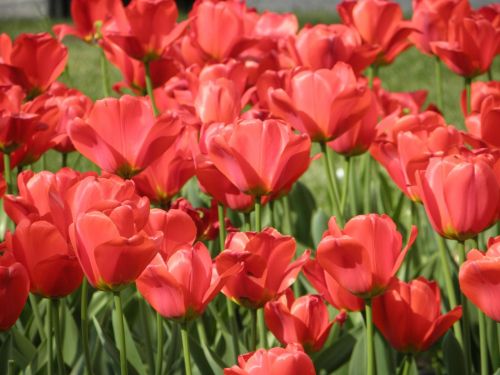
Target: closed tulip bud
(260,157)
(479,276)
(268,268)
(14,290)
(122,136)
(461,193)
(112,246)
(302,321)
(276,361)
(51,264)
(322,103)
(182,286)
(409,315)
(364,256)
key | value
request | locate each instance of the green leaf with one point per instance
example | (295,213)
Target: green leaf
(70,333)
(453,355)
(335,355)
(302,205)
(357,364)
(23,351)
(384,357)
(319,224)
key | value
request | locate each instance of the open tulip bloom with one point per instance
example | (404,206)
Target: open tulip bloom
(177,210)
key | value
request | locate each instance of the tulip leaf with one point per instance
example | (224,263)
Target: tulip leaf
(302,204)
(453,355)
(107,343)
(357,364)
(205,358)
(493,344)
(335,355)
(319,224)
(384,355)
(23,351)
(70,330)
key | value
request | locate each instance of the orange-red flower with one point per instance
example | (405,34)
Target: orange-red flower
(276,361)
(461,193)
(479,278)
(267,271)
(363,257)
(302,321)
(122,136)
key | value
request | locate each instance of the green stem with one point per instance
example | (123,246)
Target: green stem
(468,82)
(483,345)
(247,223)
(347,177)
(185,348)
(332,186)
(149,88)
(370,349)
(50,354)
(262,328)
(143,311)
(287,217)
(222,227)
(450,290)
(271,213)
(121,333)
(36,314)
(64,159)
(367,184)
(439,84)
(490,74)
(258,215)
(7,173)
(105,75)
(465,317)
(159,344)
(85,327)
(253,329)
(53,305)
(202,333)
(10,367)
(408,361)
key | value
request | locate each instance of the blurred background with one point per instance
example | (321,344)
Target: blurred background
(60,8)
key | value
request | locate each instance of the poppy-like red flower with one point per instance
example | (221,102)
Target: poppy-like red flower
(409,315)
(322,103)
(330,289)
(380,23)
(152,29)
(363,257)
(14,290)
(182,286)
(302,321)
(406,144)
(35,62)
(472,44)
(47,255)
(322,46)
(479,278)
(276,361)
(90,17)
(260,157)
(461,193)
(268,268)
(122,136)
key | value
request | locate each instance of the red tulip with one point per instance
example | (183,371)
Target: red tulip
(363,257)
(218,101)
(14,290)
(165,177)
(90,17)
(276,361)
(276,25)
(403,103)
(358,139)
(267,271)
(299,321)
(182,286)
(324,103)
(409,315)
(406,144)
(112,246)
(152,29)
(431,18)
(122,135)
(492,13)
(480,91)
(484,124)
(479,276)
(260,157)
(461,193)
(34,64)
(43,250)
(380,23)
(322,46)
(218,27)
(472,44)
(330,289)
